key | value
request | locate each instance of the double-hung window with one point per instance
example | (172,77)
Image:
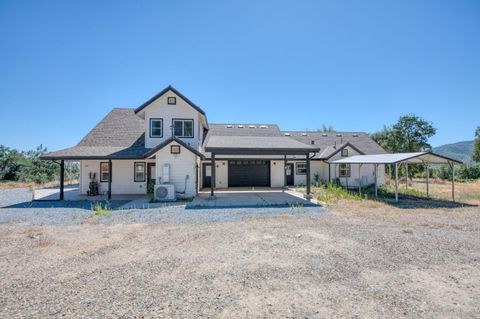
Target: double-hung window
(139,172)
(183,128)
(156,128)
(104,172)
(344,170)
(301,168)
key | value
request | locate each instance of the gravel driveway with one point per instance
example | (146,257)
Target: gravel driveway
(367,260)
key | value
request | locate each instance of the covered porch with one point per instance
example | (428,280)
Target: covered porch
(259,146)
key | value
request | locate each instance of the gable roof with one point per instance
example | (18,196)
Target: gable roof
(171,140)
(331,142)
(120,135)
(165,90)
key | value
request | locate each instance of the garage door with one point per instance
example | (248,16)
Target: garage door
(248,173)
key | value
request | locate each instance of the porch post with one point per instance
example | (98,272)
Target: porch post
(376,179)
(109,179)
(212,182)
(308,177)
(329,173)
(62,178)
(396,182)
(285,171)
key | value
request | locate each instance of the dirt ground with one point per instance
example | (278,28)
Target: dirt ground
(369,260)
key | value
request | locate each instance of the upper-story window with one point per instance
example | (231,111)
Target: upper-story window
(156,128)
(182,128)
(345,152)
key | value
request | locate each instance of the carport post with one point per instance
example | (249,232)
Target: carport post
(453,181)
(212,178)
(109,179)
(359,179)
(396,182)
(62,178)
(376,186)
(285,171)
(428,173)
(308,177)
(406,175)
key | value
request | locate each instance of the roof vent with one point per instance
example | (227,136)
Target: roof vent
(229,126)
(304,134)
(287,134)
(339,135)
(240,126)
(324,134)
(251,126)
(355,135)
(263,126)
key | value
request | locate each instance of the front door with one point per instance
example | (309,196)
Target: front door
(289,173)
(151,173)
(207,175)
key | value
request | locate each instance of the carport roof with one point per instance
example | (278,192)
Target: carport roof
(417,157)
(257,145)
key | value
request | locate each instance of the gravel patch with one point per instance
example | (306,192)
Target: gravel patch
(368,261)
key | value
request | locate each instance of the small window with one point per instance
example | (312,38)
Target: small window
(139,172)
(301,168)
(104,172)
(345,152)
(156,128)
(175,149)
(172,100)
(183,128)
(344,170)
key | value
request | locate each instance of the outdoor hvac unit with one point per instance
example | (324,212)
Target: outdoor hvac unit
(165,192)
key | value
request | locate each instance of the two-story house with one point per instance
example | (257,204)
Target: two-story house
(169,140)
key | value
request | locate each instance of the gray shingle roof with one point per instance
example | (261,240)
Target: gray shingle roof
(330,142)
(120,134)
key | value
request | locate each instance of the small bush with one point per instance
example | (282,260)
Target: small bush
(100,209)
(332,193)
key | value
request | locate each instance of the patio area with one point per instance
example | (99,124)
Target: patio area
(250,197)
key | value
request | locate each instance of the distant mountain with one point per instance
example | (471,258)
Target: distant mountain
(460,150)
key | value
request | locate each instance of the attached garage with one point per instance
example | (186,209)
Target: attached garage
(242,173)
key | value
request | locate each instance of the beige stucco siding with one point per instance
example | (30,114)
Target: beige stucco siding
(277,172)
(161,109)
(122,177)
(181,166)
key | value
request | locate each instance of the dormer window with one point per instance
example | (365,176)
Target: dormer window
(171,100)
(156,127)
(182,127)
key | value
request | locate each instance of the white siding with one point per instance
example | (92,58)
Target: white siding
(161,109)
(122,177)
(181,165)
(277,174)
(367,175)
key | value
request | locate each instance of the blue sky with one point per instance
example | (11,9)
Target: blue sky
(356,65)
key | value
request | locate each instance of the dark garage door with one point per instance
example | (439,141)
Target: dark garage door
(248,173)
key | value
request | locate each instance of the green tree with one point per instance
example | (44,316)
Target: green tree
(476,146)
(409,134)
(326,128)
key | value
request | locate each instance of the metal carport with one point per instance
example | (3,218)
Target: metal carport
(424,158)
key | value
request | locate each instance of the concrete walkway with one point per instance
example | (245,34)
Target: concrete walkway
(251,198)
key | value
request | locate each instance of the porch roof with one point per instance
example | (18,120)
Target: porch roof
(415,158)
(257,145)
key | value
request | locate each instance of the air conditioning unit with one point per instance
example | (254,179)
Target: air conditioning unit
(165,192)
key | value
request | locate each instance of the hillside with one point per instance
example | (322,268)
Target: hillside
(460,150)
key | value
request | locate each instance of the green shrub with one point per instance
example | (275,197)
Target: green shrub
(102,209)
(463,172)
(332,193)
